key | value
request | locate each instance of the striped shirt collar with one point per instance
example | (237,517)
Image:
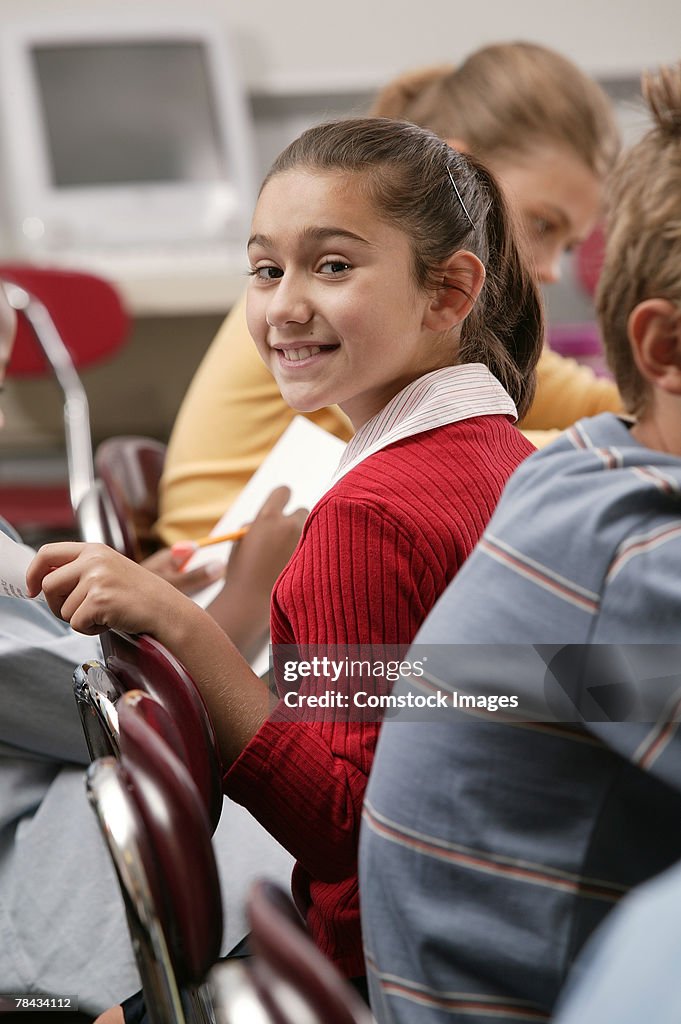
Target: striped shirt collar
(437,399)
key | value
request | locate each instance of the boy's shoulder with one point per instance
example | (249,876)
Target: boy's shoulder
(574,506)
(577,522)
(598,456)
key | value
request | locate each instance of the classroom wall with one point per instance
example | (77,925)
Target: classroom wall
(301,44)
(302,61)
(357,42)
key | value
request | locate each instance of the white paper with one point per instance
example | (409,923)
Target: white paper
(304,459)
(14,561)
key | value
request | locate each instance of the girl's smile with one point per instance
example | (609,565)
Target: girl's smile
(333,306)
(302,354)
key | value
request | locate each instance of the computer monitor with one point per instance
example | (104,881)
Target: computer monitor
(121,130)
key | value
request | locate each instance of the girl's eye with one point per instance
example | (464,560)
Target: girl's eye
(541,226)
(331,267)
(266,273)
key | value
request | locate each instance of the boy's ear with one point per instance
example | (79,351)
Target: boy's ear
(654,328)
(463,275)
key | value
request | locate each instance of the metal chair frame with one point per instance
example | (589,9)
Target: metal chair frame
(118,819)
(91,505)
(159,839)
(76,409)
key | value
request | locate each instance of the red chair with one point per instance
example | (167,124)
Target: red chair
(67,320)
(142,663)
(288,979)
(159,839)
(130,469)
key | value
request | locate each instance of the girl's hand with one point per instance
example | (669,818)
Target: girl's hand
(168,566)
(257,559)
(94,588)
(242,607)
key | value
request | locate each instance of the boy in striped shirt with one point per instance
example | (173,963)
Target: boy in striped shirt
(492,848)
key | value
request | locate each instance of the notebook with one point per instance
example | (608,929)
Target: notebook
(304,459)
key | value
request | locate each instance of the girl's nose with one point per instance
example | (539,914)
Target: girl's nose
(549,270)
(289,303)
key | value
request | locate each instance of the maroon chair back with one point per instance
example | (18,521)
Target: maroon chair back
(130,468)
(285,955)
(183,874)
(147,709)
(142,663)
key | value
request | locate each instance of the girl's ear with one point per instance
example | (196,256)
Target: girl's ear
(463,275)
(654,329)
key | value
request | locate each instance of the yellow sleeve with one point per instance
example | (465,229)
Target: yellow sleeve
(230,418)
(540,438)
(567,391)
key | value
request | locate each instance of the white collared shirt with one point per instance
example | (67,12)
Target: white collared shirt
(443,396)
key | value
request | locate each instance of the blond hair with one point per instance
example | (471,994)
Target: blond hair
(643,229)
(507,99)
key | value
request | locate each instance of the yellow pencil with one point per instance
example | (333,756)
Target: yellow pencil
(219,538)
(187,548)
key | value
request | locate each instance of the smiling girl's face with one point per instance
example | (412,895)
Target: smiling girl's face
(333,306)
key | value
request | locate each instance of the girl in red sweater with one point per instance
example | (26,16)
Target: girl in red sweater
(384,278)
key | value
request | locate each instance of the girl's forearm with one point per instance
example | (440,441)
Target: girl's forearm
(236,699)
(243,617)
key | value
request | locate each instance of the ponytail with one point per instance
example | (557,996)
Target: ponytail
(505,329)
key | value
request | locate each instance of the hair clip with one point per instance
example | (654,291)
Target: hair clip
(458,196)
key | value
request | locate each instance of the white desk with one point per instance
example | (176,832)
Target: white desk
(182,281)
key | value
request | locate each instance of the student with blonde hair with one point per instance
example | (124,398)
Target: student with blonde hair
(492,846)
(547,131)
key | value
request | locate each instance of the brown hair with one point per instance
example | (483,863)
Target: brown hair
(506,99)
(405,172)
(643,229)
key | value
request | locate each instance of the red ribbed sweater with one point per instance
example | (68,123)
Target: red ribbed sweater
(375,554)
